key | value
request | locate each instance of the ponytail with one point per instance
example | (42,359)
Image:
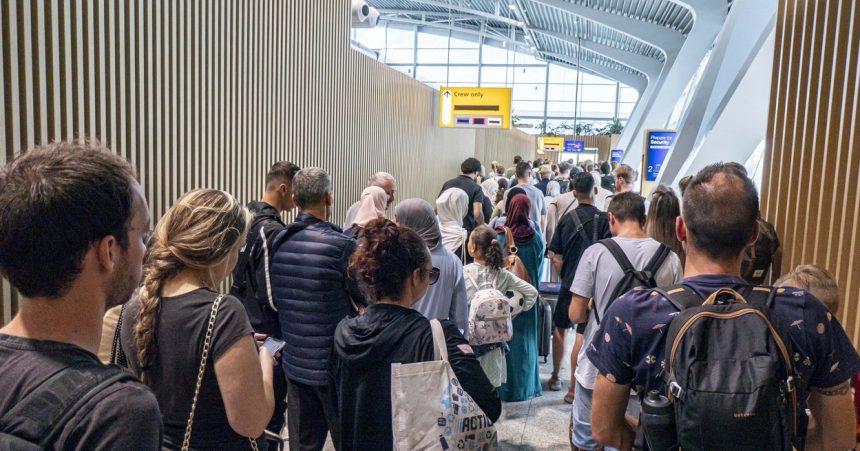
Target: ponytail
(488,247)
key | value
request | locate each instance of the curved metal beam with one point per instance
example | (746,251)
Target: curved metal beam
(463,9)
(666,39)
(634,81)
(648,66)
(446,26)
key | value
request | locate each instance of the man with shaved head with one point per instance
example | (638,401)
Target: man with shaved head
(718,220)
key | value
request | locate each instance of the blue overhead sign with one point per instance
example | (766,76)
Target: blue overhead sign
(574,146)
(659,142)
(617,155)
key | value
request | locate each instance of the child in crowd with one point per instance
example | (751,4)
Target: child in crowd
(486,272)
(821,283)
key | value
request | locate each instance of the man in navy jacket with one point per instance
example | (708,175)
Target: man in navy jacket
(312,293)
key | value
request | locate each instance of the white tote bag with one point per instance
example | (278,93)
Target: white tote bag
(430,410)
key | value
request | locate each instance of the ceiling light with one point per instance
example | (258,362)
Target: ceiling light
(512,6)
(521,24)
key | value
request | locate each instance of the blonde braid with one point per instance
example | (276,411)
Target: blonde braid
(161,265)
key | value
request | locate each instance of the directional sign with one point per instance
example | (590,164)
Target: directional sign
(551,143)
(474,107)
(574,146)
(617,155)
(658,143)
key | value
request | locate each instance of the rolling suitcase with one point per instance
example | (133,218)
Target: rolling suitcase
(548,299)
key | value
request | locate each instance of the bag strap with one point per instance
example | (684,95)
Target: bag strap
(761,296)
(656,262)
(440,346)
(680,296)
(117,355)
(509,241)
(619,255)
(43,413)
(204,357)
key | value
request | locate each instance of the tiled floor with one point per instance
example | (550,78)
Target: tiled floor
(541,423)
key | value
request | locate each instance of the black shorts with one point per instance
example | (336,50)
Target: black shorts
(560,318)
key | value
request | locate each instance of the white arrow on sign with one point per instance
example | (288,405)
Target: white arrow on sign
(446,107)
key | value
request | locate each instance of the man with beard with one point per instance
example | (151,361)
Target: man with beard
(72,231)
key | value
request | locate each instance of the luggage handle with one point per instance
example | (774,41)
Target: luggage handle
(712,299)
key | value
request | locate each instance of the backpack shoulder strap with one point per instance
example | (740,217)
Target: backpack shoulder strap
(680,296)
(761,296)
(657,261)
(43,413)
(619,255)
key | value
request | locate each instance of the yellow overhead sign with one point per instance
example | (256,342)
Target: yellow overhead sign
(551,143)
(474,107)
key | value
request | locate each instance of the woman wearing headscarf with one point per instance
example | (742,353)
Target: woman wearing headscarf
(523,379)
(446,299)
(451,207)
(489,187)
(371,206)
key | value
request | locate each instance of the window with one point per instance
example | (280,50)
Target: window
(541,92)
(432,56)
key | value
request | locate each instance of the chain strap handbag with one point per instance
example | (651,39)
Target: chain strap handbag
(204,357)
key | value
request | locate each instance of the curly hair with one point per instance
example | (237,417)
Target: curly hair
(487,246)
(386,256)
(198,232)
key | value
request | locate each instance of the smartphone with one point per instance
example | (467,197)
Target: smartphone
(274,345)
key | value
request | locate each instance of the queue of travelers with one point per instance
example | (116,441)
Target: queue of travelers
(409,333)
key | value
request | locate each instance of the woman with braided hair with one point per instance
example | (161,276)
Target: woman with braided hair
(193,347)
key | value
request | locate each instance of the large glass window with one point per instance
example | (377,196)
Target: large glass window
(541,93)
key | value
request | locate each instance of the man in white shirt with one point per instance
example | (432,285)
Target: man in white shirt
(597,277)
(538,210)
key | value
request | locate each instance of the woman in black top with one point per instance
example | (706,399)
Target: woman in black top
(393,263)
(195,246)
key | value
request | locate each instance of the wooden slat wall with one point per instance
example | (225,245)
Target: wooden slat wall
(810,189)
(211,93)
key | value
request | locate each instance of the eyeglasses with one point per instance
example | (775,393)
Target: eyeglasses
(434,275)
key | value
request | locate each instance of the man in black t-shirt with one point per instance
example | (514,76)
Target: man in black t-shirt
(577,229)
(470,170)
(68,277)
(251,283)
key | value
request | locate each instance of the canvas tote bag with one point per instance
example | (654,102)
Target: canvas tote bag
(430,410)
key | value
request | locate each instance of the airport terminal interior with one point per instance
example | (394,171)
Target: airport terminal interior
(332,174)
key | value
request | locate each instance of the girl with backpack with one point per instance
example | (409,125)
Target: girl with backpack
(487,272)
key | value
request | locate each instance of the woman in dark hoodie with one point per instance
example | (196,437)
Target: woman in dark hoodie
(393,264)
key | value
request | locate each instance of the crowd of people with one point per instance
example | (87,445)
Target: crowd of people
(320,319)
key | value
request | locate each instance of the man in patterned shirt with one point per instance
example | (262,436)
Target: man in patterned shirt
(719,219)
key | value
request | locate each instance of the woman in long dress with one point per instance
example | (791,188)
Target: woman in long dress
(523,378)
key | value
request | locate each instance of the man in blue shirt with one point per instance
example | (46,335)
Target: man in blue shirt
(719,219)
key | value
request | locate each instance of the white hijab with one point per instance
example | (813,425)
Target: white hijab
(490,187)
(452,206)
(371,206)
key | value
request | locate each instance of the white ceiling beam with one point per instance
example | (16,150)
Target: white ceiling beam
(462,9)
(648,66)
(666,39)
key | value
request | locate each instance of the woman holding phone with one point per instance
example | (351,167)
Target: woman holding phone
(193,347)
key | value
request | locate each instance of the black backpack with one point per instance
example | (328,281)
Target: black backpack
(37,420)
(758,257)
(730,373)
(632,277)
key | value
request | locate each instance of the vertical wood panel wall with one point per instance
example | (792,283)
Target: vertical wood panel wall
(813,154)
(211,93)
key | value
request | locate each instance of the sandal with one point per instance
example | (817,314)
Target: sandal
(568,398)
